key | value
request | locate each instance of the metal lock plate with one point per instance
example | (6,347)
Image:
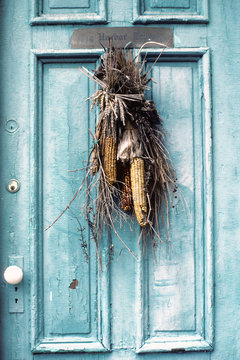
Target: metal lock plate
(15,292)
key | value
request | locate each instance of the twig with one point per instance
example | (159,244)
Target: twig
(69,204)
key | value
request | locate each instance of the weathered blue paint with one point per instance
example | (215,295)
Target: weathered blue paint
(64,12)
(178,311)
(83,322)
(134,309)
(157,11)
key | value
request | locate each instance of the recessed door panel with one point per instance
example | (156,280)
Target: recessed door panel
(67,284)
(175,284)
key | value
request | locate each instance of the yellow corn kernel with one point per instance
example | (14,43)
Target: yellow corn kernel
(126,195)
(138,191)
(110,159)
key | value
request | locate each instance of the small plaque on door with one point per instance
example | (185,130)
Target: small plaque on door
(134,37)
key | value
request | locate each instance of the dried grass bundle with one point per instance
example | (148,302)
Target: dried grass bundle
(129,141)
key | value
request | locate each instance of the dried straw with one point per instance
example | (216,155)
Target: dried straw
(134,124)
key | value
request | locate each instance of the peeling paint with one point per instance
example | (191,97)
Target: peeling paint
(73,284)
(180,350)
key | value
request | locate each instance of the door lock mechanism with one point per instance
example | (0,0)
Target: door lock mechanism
(13,275)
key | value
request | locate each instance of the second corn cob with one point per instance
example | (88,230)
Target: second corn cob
(126,195)
(110,159)
(138,191)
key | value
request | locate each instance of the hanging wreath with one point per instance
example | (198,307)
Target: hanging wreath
(129,169)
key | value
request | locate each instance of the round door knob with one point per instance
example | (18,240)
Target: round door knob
(13,275)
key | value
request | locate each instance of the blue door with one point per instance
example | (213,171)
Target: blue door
(181,303)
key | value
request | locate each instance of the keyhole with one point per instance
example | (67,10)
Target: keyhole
(12,187)
(16,289)
(16,301)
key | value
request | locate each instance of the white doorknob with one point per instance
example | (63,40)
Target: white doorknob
(13,275)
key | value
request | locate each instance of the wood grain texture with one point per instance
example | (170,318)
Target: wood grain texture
(225,45)
(176,295)
(14,164)
(128,305)
(54,121)
(68,12)
(157,11)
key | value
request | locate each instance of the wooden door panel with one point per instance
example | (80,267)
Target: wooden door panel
(67,292)
(176,289)
(65,142)
(176,11)
(68,12)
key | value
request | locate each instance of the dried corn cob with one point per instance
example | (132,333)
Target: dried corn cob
(137,186)
(126,196)
(110,159)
